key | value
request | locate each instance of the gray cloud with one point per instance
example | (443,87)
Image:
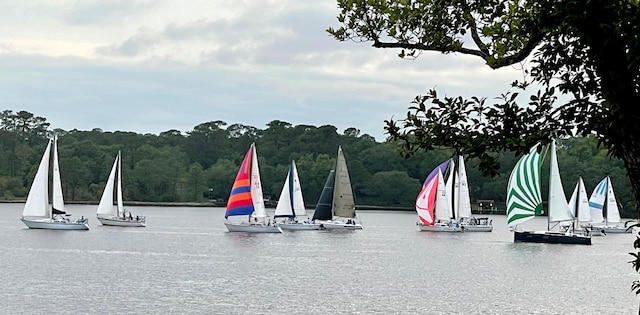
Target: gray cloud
(132,47)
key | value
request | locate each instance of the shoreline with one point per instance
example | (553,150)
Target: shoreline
(207,204)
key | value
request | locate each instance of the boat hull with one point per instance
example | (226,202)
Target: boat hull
(56,225)
(339,225)
(299,226)
(477,228)
(441,228)
(550,237)
(595,231)
(252,228)
(616,229)
(121,222)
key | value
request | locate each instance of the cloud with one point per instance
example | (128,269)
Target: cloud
(152,66)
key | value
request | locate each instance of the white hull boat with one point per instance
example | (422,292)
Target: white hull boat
(38,213)
(336,208)
(50,224)
(246,199)
(141,222)
(616,229)
(477,228)
(477,225)
(291,206)
(299,226)
(441,228)
(339,225)
(252,228)
(107,213)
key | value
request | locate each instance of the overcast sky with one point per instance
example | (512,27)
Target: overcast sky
(151,66)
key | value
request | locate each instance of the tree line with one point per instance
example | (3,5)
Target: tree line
(201,164)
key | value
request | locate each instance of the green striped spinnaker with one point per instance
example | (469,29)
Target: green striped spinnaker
(524,199)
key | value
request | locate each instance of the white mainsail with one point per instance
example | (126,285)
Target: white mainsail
(119,202)
(442,208)
(558,207)
(57,196)
(613,212)
(105,207)
(579,203)
(256,187)
(291,201)
(451,186)
(463,199)
(37,204)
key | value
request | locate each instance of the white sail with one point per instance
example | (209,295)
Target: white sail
(613,212)
(256,187)
(58,199)
(284,208)
(579,203)
(558,207)
(105,207)
(596,201)
(119,202)
(463,200)
(451,187)
(299,208)
(442,208)
(291,202)
(37,204)
(343,201)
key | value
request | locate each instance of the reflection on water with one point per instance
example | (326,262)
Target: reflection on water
(185,262)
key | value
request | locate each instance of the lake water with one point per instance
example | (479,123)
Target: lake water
(185,262)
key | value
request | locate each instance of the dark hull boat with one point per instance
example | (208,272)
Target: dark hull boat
(550,237)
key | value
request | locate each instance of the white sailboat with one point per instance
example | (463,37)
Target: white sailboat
(106,213)
(462,201)
(246,199)
(579,206)
(336,206)
(524,201)
(605,213)
(37,214)
(291,206)
(433,203)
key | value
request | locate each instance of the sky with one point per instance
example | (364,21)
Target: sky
(150,66)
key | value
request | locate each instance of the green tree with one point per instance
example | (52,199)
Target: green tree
(589,50)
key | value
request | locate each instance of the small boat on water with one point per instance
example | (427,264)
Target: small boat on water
(246,199)
(37,212)
(605,214)
(336,208)
(433,204)
(524,201)
(106,213)
(291,207)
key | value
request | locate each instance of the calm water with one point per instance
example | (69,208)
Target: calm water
(185,262)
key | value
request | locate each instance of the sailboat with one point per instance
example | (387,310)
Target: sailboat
(433,204)
(246,199)
(579,205)
(462,202)
(604,208)
(291,204)
(37,213)
(106,213)
(524,201)
(336,206)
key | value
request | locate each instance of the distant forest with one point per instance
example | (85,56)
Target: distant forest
(200,165)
